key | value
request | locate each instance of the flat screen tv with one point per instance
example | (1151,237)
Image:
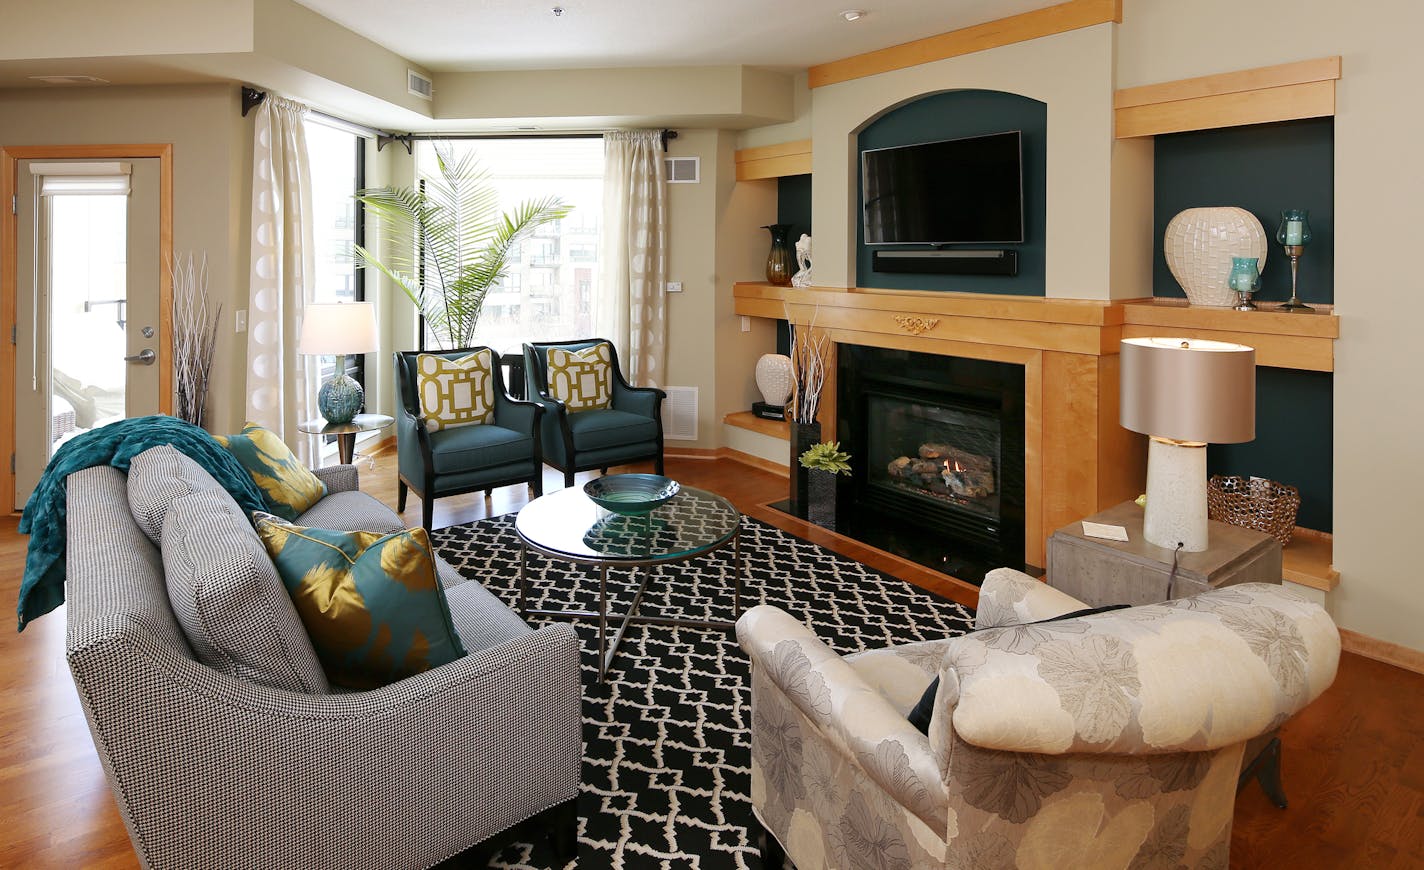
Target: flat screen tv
(956,191)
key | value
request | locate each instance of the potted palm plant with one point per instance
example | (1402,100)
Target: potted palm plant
(448,242)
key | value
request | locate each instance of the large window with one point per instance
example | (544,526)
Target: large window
(550,290)
(338,171)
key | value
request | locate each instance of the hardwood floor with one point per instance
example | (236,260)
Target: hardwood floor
(1353,762)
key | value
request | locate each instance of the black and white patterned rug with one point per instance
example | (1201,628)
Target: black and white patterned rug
(666,773)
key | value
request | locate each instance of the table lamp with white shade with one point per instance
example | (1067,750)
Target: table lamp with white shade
(337,329)
(1185,393)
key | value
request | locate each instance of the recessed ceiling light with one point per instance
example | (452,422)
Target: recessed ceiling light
(853,14)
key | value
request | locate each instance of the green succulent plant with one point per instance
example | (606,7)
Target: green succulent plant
(827,456)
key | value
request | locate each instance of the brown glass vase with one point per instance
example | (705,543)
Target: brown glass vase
(778,261)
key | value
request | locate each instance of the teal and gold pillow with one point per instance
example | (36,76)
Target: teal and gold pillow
(370,601)
(455,392)
(288,487)
(582,380)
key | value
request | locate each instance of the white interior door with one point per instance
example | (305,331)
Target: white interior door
(87,307)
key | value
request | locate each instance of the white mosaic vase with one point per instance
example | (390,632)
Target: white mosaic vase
(1199,244)
(773,378)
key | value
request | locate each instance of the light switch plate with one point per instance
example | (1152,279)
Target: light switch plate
(674,287)
(239,320)
(746,323)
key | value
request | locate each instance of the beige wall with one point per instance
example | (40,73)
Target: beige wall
(1070,72)
(207,132)
(1379,406)
(716,239)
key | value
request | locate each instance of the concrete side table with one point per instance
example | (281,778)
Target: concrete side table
(1099,572)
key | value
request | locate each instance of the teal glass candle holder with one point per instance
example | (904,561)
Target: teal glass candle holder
(1294,234)
(1245,279)
(1294,228)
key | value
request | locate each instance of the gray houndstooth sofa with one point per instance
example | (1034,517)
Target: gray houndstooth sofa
(214,770)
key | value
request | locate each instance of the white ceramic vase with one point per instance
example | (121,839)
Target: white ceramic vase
(1199,244)
(773,378)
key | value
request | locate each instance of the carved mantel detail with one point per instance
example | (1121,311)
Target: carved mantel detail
(916,325)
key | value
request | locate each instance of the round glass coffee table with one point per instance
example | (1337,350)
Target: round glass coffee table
(567,525)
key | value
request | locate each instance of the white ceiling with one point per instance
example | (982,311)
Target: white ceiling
(460,35)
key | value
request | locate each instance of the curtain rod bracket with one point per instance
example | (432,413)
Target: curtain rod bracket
(251,99)
(668,134)
(405,139)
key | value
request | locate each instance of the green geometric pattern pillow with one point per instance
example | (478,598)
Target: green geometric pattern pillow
(455,392)
(370,601)
(288,487)
(582,380)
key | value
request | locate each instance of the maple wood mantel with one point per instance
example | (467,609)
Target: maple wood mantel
(1078,459)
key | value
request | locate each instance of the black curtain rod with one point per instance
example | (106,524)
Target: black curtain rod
(252,98)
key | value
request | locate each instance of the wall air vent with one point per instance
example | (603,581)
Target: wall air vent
(680,414)
(419,85)
(683,170)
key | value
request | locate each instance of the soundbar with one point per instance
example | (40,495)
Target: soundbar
(990,262)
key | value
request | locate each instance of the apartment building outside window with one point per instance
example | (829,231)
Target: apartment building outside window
(550,290)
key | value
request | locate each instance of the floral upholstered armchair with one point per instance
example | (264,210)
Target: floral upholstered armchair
(1107,740)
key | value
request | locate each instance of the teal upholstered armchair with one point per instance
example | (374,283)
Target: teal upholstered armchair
(467,458)
(630,429)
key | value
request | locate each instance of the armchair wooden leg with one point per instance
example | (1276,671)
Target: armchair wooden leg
(489,491)
(658,464)
(561,824)
(427,511)
(773,857)
(603,470)
(568,478)
(401,491)
(536,486)
(1265,768)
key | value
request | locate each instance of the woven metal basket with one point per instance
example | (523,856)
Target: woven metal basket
(1253,503)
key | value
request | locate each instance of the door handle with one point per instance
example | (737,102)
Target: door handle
(144,357)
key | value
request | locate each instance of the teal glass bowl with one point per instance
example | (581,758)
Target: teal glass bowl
(631,494)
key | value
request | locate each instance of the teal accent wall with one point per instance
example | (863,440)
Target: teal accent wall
(793,206)
(1295,441)
(954,115)
(1263,168)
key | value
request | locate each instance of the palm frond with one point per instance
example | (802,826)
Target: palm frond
(450,228)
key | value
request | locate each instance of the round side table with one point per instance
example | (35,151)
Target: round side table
(346,432)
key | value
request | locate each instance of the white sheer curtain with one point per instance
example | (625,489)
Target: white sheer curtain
(632,304)
(280,283)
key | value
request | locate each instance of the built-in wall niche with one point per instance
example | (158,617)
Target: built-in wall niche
(1294,443)
(956,115)
(1263,168)
(793,206)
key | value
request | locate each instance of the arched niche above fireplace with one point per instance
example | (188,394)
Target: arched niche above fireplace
(954,115)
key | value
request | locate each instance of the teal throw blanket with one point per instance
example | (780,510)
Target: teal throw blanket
(116,444)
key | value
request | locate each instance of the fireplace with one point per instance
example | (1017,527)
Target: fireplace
(937,446)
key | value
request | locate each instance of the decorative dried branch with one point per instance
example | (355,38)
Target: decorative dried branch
(808,367)
(195,336)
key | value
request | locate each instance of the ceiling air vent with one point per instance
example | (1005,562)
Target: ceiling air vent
(70,80)
(419,85)
(683,170)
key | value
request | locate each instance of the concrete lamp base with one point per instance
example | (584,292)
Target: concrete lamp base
(1176,495)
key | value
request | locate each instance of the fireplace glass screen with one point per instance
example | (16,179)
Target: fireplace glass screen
(947,455)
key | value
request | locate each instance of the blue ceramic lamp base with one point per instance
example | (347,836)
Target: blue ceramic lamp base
(341,397)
